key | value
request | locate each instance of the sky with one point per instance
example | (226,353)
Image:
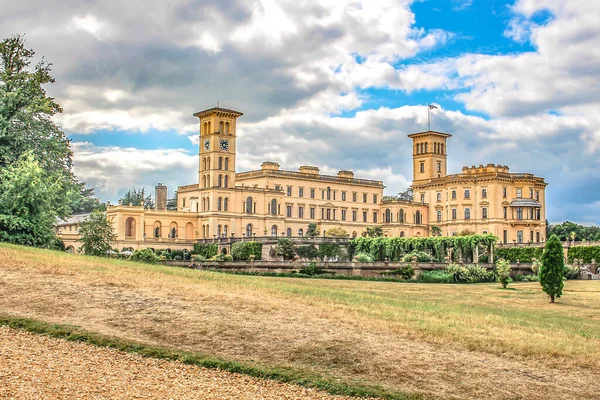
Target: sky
(333,83)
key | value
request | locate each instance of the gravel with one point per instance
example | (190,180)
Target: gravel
(36,366)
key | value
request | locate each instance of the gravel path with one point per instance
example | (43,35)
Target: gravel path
(36,366)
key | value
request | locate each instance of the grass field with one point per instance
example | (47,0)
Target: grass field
(444,341)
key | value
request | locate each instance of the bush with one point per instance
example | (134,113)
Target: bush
(206,250)
(285,248)
(503,272)
(221,257)
(312,270)
(198,258)
(585,253)
(336,232)
(420,255)
(363,257)
(405,271)
(329,250)
(145,256)
(436,277)
(526,278)
(470,273)
(523,254)
(309,252)
(177,258)
(243,251)
(535,266)
(553,268)
(572,271)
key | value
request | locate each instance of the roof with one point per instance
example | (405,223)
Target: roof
(426,133)
(208,111)
(525,203)
(75,219)
(239,176)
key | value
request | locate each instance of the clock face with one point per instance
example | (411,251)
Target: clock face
(207,144)
(224,144)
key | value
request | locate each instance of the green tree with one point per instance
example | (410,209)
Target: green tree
(96,234)
(336,232)
(135,197)
(27,204)
(374,231)
(312,230)
(436,230)
(83,200)
(172,203)
(285,247)
(26,125)
(552,268)
(503,272)
(407,195)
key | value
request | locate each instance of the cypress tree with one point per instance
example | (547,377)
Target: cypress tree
(552,269)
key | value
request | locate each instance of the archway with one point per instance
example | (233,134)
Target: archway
(224,251)
(173,230)
(130,227)
(157,229)
(189,230)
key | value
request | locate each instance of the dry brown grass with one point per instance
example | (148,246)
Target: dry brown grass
(449,341)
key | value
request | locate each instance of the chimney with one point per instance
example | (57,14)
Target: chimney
(161,197)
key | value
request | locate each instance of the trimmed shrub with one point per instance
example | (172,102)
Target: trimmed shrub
(363,257)
(503,272)
(242,251)
(177,258)
(145,256)
(221,257)
(469,273)
(198,258)
(553,268)
(420,255)
(329,250)
(585,253)
(285,247)
(206,250)
(436,277)
(309,252)
(522,254)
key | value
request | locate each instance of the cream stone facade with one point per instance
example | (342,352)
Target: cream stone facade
(273,202)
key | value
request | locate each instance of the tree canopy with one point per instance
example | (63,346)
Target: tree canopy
(569,230)
(96,234)
(135,197)
(552,269)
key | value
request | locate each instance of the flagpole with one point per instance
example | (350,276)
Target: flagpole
(428,117)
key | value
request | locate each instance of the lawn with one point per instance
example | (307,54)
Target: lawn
(435,340)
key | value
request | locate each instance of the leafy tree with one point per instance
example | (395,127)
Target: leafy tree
(135,197)
(27,199)
(285,248)
(96,234)
(172,203)
(312,230)
(145,256)
(373,231)
(572,231)
(407,195)
(83,200)
(552,268)
(436,231)
(503,272)
(26,125)
(336,232)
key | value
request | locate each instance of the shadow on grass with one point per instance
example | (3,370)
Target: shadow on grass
(286,375)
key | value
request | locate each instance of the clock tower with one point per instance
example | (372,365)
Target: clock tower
(217,147)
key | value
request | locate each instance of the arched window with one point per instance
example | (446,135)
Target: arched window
(439,196)
(173,232)
(220,163)
(402,234)
(130,227)
(227,163)
(249,230)
(274,230)
(225,204)
(300,232)
(226,184)
(388,215)
(207,180)
(227,128)
(219,180)
(219,230)
(273,207)
(203,232)
(219,203)
(418,217)
(249,205)
(289,232)
(221,127)
(225,231)
(207,204)
(401,216)
(204,181)
(328,193)
(209,128)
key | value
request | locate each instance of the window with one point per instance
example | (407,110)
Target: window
(300,232)
(225,201)
(439,215)
(504,192)
(220,163)
(538,214)
(354,197)
(388,216)
(505,236)
(300,212)
(402,234)
(519,193)
(374,216)
(418,217)
(519,213)
(289,211)
(183,202)
(219,204)
(328,193)
(401,216)
(537,237)
(322,194)
(454,213)
(328,214)
(467,213)
(364,197)
(504,212)
(537,195)
(333,193)
(531,196)
(289,191)
(301,192)
(439,167)
(343,215)
(289,232)
(312,213)
(220,181)
(454,195)
(422,198)
(422,167)
(249,230)
(226,181)
(249,205)
(277,187)
(374,199)
(467,194)
(439,196)
(312,193)
(531,213)
(484,213)
(364,216)
(484,193)
(354,216)
(531,236)
(519,236)
(343,196)
(273,207)
(274,231)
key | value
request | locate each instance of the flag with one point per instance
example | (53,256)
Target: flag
(431,106)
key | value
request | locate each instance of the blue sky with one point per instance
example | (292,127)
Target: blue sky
(333,83)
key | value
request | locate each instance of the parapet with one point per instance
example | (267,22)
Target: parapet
(307,169)
(481,169)
(270,166)
(346,174)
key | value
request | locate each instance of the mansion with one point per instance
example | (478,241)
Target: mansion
(275,202)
